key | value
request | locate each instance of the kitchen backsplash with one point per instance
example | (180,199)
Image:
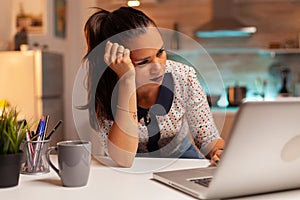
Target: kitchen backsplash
(261,74)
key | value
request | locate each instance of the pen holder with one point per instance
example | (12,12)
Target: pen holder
(35,157)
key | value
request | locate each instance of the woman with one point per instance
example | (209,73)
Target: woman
(145,104)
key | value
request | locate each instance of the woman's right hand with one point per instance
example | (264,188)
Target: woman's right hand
(118,59)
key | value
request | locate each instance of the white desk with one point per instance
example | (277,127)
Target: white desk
(107,183)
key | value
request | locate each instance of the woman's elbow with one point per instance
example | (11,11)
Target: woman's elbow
(125,162)
(120,156)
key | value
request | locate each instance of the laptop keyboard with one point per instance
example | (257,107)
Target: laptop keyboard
(202,181)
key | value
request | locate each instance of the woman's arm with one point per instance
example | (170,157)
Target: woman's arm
(123,136)
(201,122)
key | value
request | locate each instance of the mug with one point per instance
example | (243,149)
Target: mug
(74,158)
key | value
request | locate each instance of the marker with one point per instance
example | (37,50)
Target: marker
(41,128)
(37,147)
(38,163)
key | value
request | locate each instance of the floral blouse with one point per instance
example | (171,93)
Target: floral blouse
(188,117)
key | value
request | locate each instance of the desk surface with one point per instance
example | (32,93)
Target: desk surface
(115,183)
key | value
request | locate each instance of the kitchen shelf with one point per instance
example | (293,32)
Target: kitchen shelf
(217,51)
(274,52)
(259,51)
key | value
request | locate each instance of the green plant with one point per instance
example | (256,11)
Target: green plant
(12,131)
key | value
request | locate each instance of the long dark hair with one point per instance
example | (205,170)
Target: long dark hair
(101,26)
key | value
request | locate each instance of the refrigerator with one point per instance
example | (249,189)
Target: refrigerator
(33,82)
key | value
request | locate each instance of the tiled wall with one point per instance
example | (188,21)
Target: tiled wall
(250,70)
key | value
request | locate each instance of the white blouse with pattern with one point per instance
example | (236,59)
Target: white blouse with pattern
(189,115)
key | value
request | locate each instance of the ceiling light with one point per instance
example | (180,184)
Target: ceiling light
(133,3)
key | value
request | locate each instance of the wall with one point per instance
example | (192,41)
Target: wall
(77,13)
(72,47)
(6,24)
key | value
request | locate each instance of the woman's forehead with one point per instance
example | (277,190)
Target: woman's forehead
(151,39)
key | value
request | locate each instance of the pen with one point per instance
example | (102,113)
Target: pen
(45,127)
(37,147)
(54,129)
(41,128)
(41,144)
(29,148)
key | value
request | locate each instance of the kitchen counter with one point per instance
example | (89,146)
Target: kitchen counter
(216,109)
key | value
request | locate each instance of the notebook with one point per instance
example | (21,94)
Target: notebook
(261,155)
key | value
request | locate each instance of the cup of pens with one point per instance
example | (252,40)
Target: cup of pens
(35,148)
(35,159)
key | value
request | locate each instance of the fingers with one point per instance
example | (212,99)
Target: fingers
(117,57)
(116,51)
(216,157)
(107,52)
(126,53)
(214,161)
(113,51)
(120,51)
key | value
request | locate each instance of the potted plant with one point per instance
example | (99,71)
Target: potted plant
(12,133)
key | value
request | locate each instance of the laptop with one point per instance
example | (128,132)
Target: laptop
(261,155)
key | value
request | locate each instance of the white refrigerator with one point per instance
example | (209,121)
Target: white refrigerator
(33,81)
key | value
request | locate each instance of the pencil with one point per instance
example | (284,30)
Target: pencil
(54,129)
